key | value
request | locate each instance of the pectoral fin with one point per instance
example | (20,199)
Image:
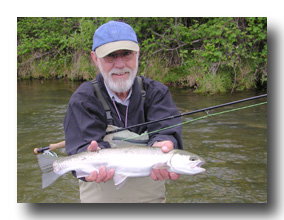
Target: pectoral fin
(119,180)
(161,166)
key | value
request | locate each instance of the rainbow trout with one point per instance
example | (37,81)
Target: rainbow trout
(130,161)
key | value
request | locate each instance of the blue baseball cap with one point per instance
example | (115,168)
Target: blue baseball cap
(113,36)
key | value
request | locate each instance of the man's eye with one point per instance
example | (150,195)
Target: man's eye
(126,53)
(111,55)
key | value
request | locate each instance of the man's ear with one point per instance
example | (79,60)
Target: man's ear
(95,58)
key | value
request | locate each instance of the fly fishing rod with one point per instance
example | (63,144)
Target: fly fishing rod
(50,147)
(187,113)
(62,144)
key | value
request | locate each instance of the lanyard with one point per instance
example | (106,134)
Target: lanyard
(117,112)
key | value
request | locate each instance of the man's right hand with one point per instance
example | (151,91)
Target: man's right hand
(103,175)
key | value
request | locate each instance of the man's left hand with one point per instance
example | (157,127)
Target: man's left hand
(163,174)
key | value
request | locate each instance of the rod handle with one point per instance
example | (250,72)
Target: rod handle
(57,145)
(50,147)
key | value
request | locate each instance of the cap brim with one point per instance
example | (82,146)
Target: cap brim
(108,48)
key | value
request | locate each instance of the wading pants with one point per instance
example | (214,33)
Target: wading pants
(135,190)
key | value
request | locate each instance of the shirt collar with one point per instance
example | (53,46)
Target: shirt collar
(112,95)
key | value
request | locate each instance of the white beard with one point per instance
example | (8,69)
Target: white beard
(120,85)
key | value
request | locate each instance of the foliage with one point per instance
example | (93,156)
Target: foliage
(209,54)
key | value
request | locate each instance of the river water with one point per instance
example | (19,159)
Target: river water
(234,146)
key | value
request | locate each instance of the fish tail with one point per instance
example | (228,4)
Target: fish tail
(45,162)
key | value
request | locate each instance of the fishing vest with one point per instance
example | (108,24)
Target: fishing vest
(104,103)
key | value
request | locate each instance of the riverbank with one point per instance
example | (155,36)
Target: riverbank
(191,77)
(210,55)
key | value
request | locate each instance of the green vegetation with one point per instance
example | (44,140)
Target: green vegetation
(209,54)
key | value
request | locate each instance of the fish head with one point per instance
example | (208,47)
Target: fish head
(183,162)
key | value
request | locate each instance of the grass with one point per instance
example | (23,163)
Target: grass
(80,66)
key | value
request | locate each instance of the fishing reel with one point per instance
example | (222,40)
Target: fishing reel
(50,153)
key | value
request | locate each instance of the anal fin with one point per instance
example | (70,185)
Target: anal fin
(119,180)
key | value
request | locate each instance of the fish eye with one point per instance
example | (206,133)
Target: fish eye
(192,158)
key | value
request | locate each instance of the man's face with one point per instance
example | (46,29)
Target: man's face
(118,69)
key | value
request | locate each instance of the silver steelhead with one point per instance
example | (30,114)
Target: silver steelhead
(130,161)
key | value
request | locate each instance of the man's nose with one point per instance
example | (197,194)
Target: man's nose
(119,62)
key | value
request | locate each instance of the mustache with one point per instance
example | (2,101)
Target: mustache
(116,71)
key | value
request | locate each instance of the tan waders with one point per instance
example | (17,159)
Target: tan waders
(135,190)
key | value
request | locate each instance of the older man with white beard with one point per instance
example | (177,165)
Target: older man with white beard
(116,51)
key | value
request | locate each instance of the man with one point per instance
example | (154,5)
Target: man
(115,51)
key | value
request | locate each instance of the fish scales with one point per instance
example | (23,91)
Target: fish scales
(130,161)
(118,158)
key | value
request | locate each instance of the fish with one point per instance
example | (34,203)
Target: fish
(127,161)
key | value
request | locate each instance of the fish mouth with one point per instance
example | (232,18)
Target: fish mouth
(198,165)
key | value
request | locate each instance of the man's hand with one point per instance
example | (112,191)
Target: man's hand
(103,174)
(163,174)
